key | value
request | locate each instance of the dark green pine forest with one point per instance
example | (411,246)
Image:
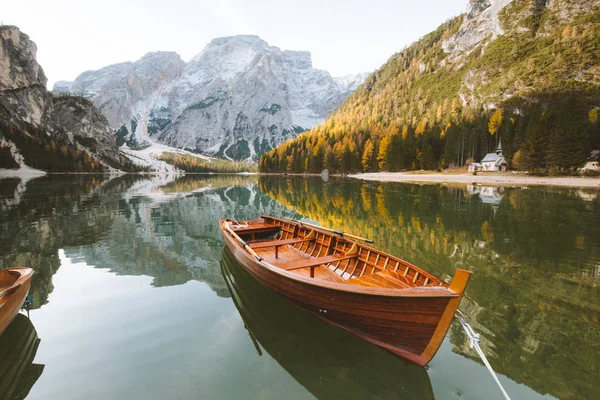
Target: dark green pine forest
(536,88)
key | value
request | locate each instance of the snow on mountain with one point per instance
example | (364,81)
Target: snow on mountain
(236,99)
(62,87)
(349,83)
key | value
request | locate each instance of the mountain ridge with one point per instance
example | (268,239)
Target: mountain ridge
(235,99)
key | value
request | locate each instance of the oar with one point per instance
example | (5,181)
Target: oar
(333,231)
(242,242)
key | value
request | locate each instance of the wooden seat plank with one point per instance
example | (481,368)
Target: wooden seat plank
(313,262)
(254,228)
(271,243)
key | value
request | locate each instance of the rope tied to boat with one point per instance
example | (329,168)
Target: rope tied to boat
(474,343)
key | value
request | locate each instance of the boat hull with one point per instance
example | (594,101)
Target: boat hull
(13,294)
(314,352)
(411,327)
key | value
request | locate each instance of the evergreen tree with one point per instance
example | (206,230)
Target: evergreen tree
(536,143)
(385,150)
(495,122)
(367,158)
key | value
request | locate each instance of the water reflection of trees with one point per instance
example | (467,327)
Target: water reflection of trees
(191,183)
(535,254)
(117,223)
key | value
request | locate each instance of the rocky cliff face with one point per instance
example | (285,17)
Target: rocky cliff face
(236,99)
(123,91)
(42,130)
(487,19)
(481,21)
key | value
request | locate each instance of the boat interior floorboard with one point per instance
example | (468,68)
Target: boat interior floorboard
(289,254)
(300,250)
(321,272)
(286,254)
(396,279)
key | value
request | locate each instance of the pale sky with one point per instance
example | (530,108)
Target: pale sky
(344,37)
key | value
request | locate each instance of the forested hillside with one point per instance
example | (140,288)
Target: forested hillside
(440,102)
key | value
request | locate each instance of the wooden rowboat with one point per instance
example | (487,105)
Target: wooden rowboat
(376,296)
(14,286)
(336,366)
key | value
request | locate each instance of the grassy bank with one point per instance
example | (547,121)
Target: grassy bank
(189,163)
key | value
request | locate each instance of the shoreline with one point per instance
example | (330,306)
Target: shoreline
(30,173)
(23,173)
(496,180)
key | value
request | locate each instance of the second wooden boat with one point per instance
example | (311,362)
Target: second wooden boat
(376,296)
(14,286)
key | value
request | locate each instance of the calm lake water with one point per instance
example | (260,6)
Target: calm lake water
(136,298)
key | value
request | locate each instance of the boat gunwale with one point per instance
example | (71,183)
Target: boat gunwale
(418,291)
(24,275)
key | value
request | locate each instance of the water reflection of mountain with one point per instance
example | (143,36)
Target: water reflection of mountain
(129,224)
(18,346)
(176,239)
(329,362)
(536,260)
(43,215)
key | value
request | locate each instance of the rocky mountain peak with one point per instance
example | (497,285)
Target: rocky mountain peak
(238,40)
(232,47)
(18,66)
(159,55)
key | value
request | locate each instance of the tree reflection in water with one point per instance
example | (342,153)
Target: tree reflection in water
(535,254)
